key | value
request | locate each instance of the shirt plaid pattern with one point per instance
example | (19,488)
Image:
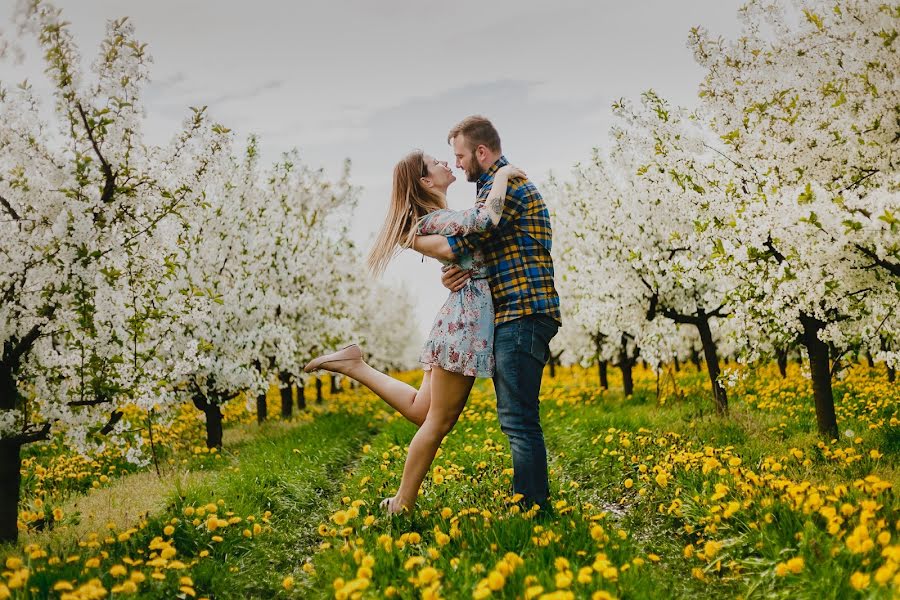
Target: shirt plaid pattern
(517,251)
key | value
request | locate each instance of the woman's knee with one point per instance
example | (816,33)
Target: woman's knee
(441,425)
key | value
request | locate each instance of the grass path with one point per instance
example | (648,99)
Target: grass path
(231,532)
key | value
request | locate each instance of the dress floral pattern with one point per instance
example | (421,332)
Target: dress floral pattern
(462,336)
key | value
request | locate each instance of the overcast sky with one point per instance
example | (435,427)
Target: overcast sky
(370,80)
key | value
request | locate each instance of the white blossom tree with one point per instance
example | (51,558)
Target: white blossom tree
(90,217)
(805,104)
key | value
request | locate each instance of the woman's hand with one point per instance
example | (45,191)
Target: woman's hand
(510,171)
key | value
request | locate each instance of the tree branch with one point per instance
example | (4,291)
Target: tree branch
(23,346)
(770,246)
(26,437)
(892,268)
(12,212)
(114,418)
(869,173)
(109,185)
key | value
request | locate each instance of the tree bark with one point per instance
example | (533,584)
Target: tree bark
(695,358)
(817,350)
(626,363)
(335,384)
(10,475)
(627,378)
(781,355)
(214,428)
(287,395)
(262,408)
(892,374)
(213,420)
(604,376)
(710,355)
(301,396)
(677,365)
(869,360)
(319,396)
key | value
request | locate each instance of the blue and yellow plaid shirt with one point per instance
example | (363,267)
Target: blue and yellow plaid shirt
(517,251)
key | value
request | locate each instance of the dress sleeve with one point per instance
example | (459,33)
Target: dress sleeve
(519,197)
(456,222)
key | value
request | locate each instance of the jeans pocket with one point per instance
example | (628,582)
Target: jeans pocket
(541,334)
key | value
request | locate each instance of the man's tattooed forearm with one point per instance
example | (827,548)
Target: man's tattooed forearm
(496,205)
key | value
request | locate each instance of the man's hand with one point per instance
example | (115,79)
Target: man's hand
(454,278)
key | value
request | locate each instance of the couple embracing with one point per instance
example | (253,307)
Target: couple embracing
(498,320)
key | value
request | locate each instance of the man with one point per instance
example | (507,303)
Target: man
(526,305)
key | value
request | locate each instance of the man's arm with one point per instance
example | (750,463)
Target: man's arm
(514,204)
(435,246)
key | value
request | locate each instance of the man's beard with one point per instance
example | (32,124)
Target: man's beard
(475,174)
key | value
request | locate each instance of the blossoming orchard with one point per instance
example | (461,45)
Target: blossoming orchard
(720,406)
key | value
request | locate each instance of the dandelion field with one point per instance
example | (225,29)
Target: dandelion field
(654,497)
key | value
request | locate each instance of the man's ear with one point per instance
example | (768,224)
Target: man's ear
(481,152)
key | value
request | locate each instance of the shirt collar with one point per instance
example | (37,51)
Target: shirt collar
(488,175)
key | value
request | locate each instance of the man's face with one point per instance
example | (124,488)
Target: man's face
(466,159)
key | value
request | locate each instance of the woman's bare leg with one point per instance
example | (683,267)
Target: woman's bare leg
(405,399)
(449,392)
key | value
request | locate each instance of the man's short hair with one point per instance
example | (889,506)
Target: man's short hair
(478,131)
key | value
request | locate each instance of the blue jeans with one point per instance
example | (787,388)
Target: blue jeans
(521,349)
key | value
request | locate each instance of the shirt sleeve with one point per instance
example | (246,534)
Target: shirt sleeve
(514,205)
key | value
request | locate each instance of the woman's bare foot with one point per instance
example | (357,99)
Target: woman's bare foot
(342,361)
(393,506)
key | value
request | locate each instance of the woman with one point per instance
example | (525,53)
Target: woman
(460,345)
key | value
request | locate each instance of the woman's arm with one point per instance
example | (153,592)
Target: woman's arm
(497,195)
(435,246)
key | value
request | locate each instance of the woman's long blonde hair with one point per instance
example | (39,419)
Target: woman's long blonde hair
(410,201)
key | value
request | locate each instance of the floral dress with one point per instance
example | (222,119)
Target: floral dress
(462,336)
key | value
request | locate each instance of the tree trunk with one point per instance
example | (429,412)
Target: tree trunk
(213,426)
(213,420)
(892,374)
(817,350)
(695,358)
(627,379)
(287,395)
(677,365)
(335,384)
(319,396)
(625,364)
(552,367)
(262,408)
(781,355)
(301,396)
(870,360)
(604,377)
(10,475)
(710,355)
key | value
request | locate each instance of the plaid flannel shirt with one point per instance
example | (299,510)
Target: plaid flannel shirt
(517,251)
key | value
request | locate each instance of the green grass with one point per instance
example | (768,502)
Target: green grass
(322,481)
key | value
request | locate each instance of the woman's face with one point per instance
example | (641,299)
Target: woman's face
(439,173)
